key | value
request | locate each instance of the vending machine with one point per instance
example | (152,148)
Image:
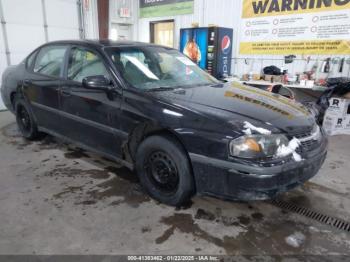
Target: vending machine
(209,47)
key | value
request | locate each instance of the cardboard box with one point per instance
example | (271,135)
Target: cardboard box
(333,125)
(268,77)
(255,77)
(338,106)
(273,78)
(347,125)
(337,117)
(245,77)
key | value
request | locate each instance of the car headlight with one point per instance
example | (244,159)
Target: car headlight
(257,146)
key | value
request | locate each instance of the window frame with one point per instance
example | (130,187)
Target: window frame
(93,50)
(62,65)
(118,79)
(33,55)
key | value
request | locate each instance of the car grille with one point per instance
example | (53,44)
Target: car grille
(309,145)
(301,134)
(306,144)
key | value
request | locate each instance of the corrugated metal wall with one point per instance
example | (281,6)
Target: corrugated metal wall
(224,13)
(90,19)
(114,7)
(227,13)
(218,12)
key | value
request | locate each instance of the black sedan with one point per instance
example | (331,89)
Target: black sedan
(153,110)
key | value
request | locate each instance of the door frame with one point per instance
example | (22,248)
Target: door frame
(89,122)
(103,18)
(153,23)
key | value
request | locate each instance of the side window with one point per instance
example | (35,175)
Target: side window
(83,63)
(49,60)
(30,60)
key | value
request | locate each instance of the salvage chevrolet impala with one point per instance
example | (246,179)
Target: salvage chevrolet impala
(153,110)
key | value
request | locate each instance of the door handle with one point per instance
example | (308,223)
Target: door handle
(65,92)
(27,82)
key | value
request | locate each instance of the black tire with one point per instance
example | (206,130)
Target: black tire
(164,170)
(25,120)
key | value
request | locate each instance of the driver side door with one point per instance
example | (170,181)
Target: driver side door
(90,117)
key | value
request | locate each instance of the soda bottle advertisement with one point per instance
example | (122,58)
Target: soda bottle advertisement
(193,43)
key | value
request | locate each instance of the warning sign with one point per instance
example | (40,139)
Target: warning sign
(295,27)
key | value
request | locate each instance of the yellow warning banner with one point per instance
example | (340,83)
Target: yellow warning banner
(258,8)
(335,47)
(309,27)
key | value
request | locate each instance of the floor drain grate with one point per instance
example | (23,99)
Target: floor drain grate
(332,221)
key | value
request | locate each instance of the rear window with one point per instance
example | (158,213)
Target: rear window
(49,60)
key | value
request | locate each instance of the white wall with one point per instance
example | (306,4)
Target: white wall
(25,26)
(132,5)
(218,12)
(2,62)
(62,19)
(91,20)
(227,13)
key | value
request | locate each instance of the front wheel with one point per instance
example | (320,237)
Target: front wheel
(164,170)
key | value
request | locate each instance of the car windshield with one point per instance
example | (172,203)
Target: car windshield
(154,67)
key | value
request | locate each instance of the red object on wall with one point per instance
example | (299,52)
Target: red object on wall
(103,11)
(86,5)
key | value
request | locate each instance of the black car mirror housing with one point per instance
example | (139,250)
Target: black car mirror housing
(98,82)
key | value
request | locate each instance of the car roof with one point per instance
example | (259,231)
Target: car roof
(102,43)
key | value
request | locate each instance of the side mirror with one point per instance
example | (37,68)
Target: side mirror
(98,82)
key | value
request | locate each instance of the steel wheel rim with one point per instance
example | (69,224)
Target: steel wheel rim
(162,171)
(24,119)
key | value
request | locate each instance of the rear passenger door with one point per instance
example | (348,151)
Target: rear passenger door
(41,85)
(90,116)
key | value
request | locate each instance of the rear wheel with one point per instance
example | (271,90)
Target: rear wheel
(25,120)
(164,170)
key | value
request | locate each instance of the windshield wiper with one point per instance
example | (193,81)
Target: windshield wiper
(162,88)
(169,88)
(217,85)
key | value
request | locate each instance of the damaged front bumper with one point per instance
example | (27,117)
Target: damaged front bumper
(236,181)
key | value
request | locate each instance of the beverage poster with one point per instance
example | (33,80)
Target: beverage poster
(194,44)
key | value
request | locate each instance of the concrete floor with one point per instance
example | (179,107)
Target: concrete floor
(56,199)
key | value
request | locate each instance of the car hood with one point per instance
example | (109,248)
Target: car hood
(235,101)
